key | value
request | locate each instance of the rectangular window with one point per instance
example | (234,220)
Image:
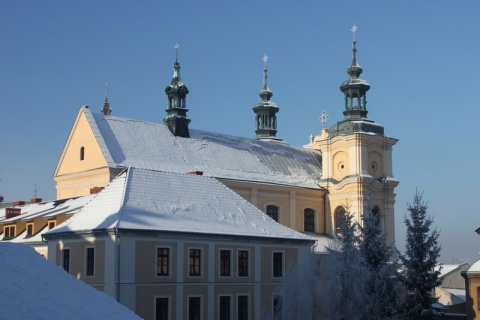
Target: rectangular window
(242,308)
(242,263)
(195,261)
(66,260)
(194,308)
(51,224)
(30,229)
(277,264)
(225,308)
(225,263)
(163,257)
(90,262)
(9,232)
(162,309)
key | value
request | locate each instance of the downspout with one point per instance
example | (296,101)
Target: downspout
(325,210)
(117,254)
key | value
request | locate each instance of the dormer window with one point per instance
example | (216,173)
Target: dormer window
(82,153)
(51,224)
(29,229)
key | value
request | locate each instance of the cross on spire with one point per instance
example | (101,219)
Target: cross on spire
(323,118)
(176,51)
(265,58)
(354,31)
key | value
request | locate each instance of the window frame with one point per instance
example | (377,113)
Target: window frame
(221,268)
(200,260)
(278,211)
(50,222)
(169,306)
(200,306)
(30,225)
(169,262)
(313,212)
(69,258)
(247,273)
(282,264)
(87,264)
(337,228)
(9,232)
(247,296)
(230,306)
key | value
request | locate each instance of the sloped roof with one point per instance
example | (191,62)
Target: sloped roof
(33,288)
(126,142)
(142,199)
(47,209)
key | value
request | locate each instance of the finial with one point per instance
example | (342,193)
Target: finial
(106,91)
(354,30)
(176,51)
(323,118)
(265,76)
(106,110)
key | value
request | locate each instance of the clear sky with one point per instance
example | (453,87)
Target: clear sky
(420,58)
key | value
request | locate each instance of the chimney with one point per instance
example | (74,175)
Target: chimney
(196,173)
(95,190)
(35,200)
(18,203)
(12,212)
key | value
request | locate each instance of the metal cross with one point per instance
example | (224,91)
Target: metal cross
(176,51)
(323,118)
(354,30)
(265,58)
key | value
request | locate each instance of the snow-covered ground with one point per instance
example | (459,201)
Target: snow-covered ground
(33,288)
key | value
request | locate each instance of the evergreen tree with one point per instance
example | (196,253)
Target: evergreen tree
(382,286)
(421,254)
(346,278)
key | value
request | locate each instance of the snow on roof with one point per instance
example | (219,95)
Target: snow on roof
(446,268)
(459,293)
(35,239)
(48,209)
(475,267)
(127,142)
(34,288)
(142,199)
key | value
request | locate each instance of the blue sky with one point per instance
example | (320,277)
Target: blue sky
(418,56)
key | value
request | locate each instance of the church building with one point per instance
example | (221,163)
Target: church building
(167,218)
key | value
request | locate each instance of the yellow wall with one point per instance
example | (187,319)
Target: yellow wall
(74,176)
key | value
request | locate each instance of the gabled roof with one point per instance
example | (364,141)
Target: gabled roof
(127,142)
(148,200)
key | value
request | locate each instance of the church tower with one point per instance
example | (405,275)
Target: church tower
(266,110)
(356,159)
(176,119)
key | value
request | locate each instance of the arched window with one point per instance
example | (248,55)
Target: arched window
(340,218)
(82,153)
(308,220)
(272,212)
(376,214)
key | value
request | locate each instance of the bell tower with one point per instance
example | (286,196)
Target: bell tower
(176,119)
(356,158)
(266,111)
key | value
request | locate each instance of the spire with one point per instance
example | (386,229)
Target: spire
(266,110)
(355,89)
(106,105)
(176,119)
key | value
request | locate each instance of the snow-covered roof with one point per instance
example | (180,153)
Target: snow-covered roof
(459,293)
(47,209)
(127,142)
(445,269)
(475,267)
(34,288)
(142,199)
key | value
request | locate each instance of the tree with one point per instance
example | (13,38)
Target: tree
(382,285)
(421,254)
